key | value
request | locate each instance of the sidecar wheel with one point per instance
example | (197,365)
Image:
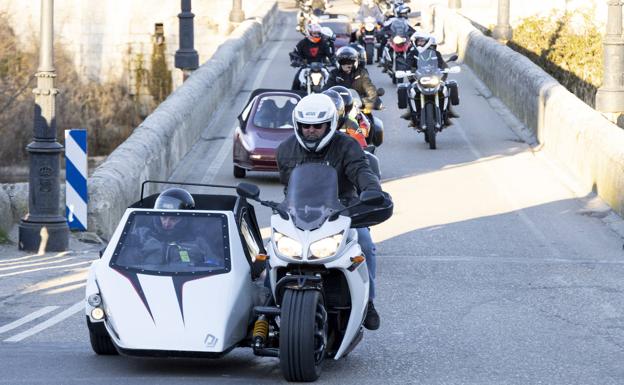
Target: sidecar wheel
(303,335)
(101,342)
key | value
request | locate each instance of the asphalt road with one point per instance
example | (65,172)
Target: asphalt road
(495,269)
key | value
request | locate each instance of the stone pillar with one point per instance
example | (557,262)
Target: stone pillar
(186,57)
(502,31)
(237,15)
(43,228)
(610,96)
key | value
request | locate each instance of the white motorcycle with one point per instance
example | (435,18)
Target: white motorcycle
(313,78)
(318,274)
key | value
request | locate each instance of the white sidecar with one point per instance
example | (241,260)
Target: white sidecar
(186,291)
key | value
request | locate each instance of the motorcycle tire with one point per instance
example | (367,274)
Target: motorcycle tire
(431,130)
(239,172)
(303,332)
(402,97)
(370,53)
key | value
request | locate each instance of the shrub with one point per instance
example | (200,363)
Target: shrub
(568,46)
(108,111)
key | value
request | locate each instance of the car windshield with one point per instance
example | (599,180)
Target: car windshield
(339,28)
(275,111)
(312,195)
(427,61)
(173,242)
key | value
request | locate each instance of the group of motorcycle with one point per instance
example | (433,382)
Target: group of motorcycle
(428,94)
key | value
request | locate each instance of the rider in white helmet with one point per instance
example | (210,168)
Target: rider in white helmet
(316,139)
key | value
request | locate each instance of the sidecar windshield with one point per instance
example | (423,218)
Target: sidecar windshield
(312,195)
(427,61)
(172,243)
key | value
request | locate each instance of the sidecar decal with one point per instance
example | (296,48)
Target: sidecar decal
(134,280)
(178,285)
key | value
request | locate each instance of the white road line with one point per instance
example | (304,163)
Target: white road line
(24,263)
(46,324)
(17,260)
(501,259)
(43,268)
(28,318)
(33,264)
(226,148)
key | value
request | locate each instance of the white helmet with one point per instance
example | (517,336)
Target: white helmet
(328,32)
(313,32)
(429,40)
(315,109)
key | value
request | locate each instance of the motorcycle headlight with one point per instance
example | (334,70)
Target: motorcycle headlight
(325,247)
(398,39)
(316,78)
(287,246)
(369,27)
(429,81)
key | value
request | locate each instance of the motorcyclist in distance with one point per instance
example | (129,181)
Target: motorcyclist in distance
(369,8)
(422,42)
(316,140)
(312,48)
(350,75)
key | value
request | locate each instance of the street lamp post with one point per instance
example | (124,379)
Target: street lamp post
(502,31)
(454,4)
(610,96)
(237,15)
(43,228)
(186,57)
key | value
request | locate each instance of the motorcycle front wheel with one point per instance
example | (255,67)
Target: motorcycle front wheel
(303,335)
(431,131)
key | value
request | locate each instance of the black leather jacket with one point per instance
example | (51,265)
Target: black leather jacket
(342,153)
(359,80)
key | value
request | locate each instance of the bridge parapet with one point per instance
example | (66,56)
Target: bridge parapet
(576,135)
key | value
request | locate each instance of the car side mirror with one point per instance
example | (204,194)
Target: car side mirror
(381,92)
(453,58)
(372,197)
(248,190)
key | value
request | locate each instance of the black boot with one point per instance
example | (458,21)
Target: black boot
(407,115)
(371,322)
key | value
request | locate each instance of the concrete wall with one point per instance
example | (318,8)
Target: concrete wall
(485,12)
(569,130)
(104,37)
(162,140)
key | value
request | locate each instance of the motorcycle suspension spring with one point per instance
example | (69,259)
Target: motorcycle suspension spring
(261,330)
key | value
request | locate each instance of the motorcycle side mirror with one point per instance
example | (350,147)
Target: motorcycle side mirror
(248,190)
(454,70)
(452,58)
(381,92)
(417,24)
(372,197)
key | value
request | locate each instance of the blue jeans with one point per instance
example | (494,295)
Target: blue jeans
(369,250)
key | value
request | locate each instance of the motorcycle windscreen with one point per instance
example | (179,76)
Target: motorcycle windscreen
(312,195)
(427,61)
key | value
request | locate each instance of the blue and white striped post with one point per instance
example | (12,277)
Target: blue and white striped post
(76,197)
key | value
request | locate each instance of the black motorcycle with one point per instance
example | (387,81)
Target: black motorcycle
(428,95)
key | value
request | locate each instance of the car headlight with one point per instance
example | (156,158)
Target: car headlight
(287,246)
(325,247)
(429,81)
(94,300)
(316,78)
